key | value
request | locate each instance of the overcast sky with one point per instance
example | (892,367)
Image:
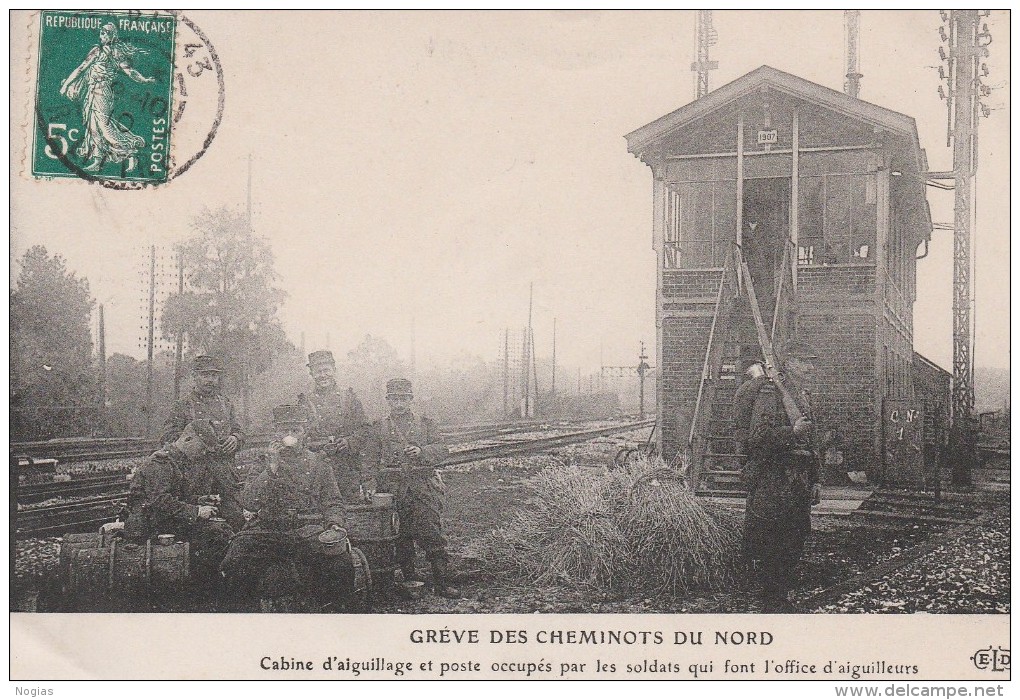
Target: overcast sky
(432,165)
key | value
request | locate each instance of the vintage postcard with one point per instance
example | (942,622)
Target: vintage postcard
(511,345)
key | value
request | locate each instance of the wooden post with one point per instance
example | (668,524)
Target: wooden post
(179,349)
(101,422)
(795,199)
(553,389)
(658,238)
(152,331)
(506,370)
(740,197)
(885,212)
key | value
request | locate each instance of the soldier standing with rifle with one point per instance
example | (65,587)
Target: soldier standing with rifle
(336,419)
(207,402)
(782,475)
(177,491)
(407,449)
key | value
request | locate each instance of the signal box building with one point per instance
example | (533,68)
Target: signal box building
(822,196)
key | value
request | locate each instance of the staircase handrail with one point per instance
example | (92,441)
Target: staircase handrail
(706,366)
(784,267)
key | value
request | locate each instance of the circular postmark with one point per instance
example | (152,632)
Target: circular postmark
(124,99)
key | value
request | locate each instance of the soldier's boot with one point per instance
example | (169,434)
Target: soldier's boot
(441,578)
(406,560)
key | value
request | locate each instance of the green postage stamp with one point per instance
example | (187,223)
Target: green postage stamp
(104,96)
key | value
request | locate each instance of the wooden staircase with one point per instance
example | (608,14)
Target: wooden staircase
(720,463)
(738,331)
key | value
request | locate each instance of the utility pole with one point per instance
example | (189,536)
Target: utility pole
(506,370)
(553,389)
(179,349)
(527,354)
(152,333)
(534,371)
(642,369)
(852,24)
(965,50)
(102,371)
(705,36)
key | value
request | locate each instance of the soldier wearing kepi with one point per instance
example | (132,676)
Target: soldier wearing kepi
(407,449)
(336,420)
(206,402)
(774,424)
(179,492)
(293,504)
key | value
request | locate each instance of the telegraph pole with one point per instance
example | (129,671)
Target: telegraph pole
(852,21)
(705,37)
(553,389)
(965,50)
(179,349)
(102,371)
(152,333)
(506,370)
(642,369)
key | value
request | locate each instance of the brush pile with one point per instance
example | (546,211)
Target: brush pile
(634,529)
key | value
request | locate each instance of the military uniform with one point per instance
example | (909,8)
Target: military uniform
(779,475)
(336,415)
(416,487)
(292,508)
(164,499)
(214,407)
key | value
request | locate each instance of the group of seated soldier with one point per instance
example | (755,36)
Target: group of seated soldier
(273,539)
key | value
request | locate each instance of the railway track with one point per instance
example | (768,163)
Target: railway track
(70,517)
(102,505)
(71,451)
(89,486)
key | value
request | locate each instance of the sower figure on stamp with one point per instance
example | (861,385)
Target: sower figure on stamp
(206,402)
(105,140)
(774,424)
(407,449)
(177,491)
(294,508)
(337,419)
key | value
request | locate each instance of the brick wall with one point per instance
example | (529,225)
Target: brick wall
(684,341)
(690,283)
(845,394)
(827,282)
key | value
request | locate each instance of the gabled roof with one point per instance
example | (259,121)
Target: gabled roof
(887,119)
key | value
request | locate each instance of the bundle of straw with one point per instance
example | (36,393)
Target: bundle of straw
(635,529)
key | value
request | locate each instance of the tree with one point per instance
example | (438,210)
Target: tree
(368,367)
(126,398)
(230,305)
(53,380)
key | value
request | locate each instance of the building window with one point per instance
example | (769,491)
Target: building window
(805,255)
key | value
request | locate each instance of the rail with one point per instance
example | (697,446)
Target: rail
(64,517)
(76,450)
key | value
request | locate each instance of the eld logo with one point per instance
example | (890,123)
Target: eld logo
(991,659)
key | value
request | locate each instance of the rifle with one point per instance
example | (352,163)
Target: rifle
(793,410)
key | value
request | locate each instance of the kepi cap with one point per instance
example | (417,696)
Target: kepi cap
(290,414)
(399,387)
(207,363)
(320,357)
